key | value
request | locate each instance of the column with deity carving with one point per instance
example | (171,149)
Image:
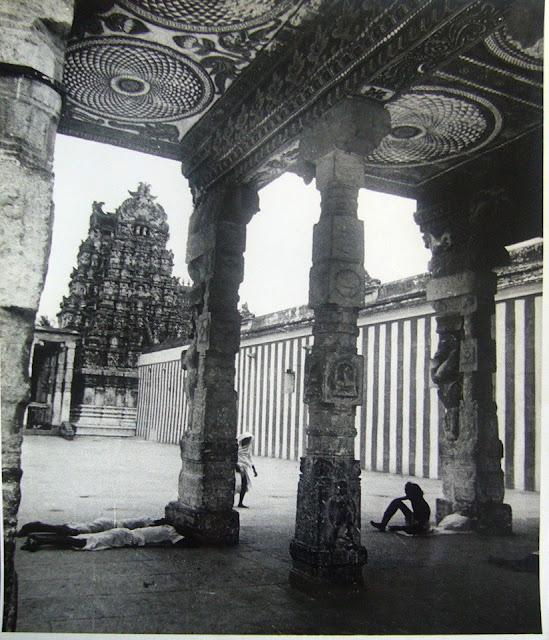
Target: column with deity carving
(463,239)
(216,244)
(326,551)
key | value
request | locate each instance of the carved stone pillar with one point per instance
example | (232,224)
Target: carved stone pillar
(57,399)
(326,551)
(32,41)
(217,240)
(464,242)
(67,383)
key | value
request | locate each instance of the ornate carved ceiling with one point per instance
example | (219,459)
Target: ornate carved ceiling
(228,85)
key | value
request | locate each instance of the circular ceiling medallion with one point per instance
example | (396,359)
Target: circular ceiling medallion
(207,16)
(135,81)
(433,124)
(502,45)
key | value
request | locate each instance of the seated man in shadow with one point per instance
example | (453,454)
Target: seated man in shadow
(417,518)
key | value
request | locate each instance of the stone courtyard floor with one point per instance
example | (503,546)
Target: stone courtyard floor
(437,585)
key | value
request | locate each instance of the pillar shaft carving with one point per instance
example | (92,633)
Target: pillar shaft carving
(326,550)
(464,245)
(215,255)
(31,35)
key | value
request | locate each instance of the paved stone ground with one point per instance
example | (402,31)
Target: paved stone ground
(441,585)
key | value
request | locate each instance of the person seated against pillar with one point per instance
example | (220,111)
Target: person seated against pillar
(417,518)
(103,533)
(244,466)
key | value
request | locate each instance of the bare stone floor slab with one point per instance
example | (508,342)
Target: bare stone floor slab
(441,585)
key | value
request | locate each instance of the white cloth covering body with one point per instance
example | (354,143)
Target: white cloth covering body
(105,524)
(123,537)
(245,457)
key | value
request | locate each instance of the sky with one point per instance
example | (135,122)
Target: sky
(279,238)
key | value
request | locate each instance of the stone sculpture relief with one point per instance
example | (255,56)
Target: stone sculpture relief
(445,374)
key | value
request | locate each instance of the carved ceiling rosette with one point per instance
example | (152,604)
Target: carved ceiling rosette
(505,47)
(123,55)
(134,80)
(433,123)
(251,75)
(215,16)
(364,50)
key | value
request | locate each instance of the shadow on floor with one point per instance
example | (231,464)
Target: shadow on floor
(441,585)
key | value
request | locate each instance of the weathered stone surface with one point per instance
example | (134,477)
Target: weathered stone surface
(205,525)
(337,282)
(464,287)
(338,238)
(326,550)
(32,34)
(352,126)
(208,449)
(465,234)
(462,292)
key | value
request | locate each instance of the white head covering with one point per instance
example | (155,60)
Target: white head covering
(244,435)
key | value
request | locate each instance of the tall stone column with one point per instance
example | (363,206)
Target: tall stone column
(217,241)
(326,551)
(57,399)
(464,242)
(67,382)
(32,41)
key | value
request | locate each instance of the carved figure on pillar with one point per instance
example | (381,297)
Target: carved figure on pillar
(445,374)
(215,249)
(464,242)
(342,517)
(326,551)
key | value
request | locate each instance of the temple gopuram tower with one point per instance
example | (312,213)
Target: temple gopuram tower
(122,298)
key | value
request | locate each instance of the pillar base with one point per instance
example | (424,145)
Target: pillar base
(324,573)
(492,518)
(215,528)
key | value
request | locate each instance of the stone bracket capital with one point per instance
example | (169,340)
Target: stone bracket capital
(354,125)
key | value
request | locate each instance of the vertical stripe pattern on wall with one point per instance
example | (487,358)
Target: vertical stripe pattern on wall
(162,401)
(399,423)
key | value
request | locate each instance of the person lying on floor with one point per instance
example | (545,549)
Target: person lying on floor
(101,534)
(417,518)
(95,526)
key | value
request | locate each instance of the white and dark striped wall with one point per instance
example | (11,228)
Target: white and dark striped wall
(399,423)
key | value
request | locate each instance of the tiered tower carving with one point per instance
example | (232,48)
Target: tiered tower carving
(122,299)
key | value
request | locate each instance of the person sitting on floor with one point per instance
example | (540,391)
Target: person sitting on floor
(417,518)
(103,533)
(245,465)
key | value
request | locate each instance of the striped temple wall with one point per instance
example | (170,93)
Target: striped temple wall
(399,422)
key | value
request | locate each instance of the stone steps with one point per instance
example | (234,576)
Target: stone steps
(104,421)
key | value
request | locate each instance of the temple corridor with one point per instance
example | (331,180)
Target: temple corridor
(441,584)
